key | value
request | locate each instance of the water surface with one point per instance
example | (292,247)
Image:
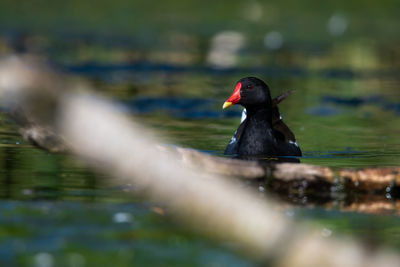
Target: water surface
(153,62)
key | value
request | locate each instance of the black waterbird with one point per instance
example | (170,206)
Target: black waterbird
(262,133)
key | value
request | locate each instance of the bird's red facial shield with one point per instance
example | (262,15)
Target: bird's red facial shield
(234,98)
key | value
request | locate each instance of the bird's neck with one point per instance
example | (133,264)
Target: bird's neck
(259,113)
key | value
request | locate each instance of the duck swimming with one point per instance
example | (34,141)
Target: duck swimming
(261,131)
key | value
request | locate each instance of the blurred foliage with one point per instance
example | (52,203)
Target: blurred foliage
(180,31)
(149,20)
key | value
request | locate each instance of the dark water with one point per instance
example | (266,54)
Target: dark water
(48,233)
(345,112)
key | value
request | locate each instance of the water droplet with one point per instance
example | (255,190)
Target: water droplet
(261,188)
(122,217)
(325,232)
(44,259)
(27,192)
(289,213)
(337,24)
(224,50)
(273,40)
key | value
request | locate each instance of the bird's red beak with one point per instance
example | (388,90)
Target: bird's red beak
(234,98)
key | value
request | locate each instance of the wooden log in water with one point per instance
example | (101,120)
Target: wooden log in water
(371,178)
(366,179)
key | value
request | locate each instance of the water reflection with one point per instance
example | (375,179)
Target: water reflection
(190,108)
(94,233)
(31,174)
(374,100)
(128,71)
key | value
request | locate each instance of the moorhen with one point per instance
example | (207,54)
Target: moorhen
(261,131)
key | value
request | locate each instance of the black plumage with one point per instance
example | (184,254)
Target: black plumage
(262,131)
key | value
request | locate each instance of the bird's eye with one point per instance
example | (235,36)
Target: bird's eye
(249,86)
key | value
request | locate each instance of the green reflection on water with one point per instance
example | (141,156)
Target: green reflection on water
(127,234)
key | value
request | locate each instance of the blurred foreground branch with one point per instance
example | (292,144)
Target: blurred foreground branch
(96,132)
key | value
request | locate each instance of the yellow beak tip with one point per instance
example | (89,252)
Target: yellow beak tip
(226,105)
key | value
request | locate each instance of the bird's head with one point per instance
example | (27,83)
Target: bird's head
(250,92)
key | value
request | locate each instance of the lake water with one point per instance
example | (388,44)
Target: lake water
(345,112)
